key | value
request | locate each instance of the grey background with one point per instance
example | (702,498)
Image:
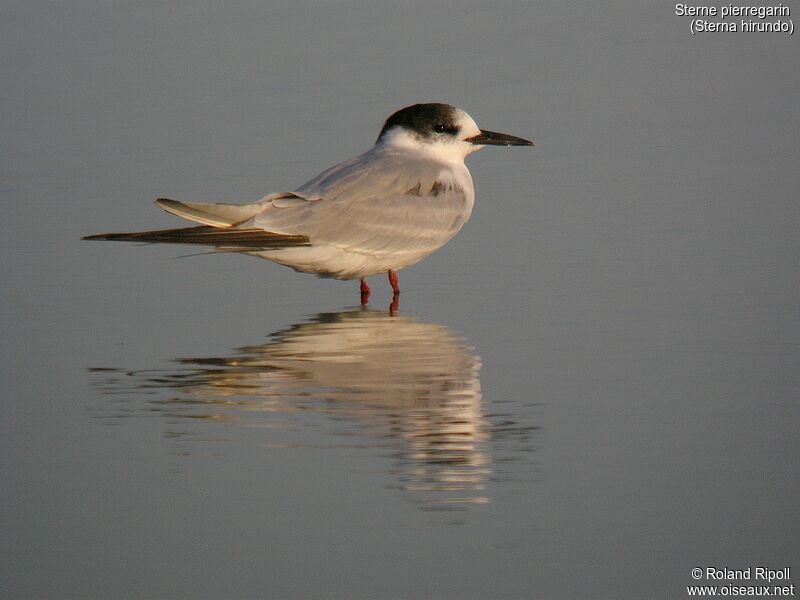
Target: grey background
(630,287)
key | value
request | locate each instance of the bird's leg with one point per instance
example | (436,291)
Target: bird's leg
(393,281)
(395,305)
(365,291)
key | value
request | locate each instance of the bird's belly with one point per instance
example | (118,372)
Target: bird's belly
(360,239)
(341,263)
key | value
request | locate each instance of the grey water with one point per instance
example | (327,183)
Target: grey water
(592,390)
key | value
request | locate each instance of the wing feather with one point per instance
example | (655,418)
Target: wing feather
(378,204)
(212,236)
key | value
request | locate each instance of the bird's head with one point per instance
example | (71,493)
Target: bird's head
(444,131)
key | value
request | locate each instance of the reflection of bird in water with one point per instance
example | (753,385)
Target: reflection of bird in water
(413,385)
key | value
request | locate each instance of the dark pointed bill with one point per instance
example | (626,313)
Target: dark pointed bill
(491,138)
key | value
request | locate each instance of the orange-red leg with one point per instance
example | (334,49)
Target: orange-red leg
(365,291)
(395,305)
(393,281)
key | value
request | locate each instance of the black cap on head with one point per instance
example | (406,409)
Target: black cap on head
(423,119)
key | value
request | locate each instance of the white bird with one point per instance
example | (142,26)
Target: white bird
(377,213)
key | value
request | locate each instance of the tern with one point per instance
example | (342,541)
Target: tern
(379,212)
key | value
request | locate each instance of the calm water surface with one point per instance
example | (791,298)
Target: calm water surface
(387,382)
(592,390)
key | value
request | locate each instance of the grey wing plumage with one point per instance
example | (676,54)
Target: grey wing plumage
(380,211)
(378,204)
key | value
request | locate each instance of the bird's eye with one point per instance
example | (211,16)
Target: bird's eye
(442,128)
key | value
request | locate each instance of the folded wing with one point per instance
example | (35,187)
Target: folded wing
(376,205)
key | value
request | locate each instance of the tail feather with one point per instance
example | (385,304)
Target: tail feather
(216,215)
(212,236)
